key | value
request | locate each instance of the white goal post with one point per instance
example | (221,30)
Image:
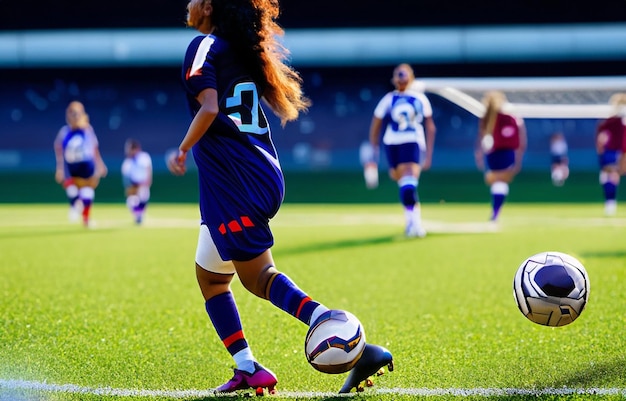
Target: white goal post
(587,97)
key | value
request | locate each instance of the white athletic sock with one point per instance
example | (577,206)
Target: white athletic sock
(500,188)
(245,360)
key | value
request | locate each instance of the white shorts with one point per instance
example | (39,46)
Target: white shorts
(207,255)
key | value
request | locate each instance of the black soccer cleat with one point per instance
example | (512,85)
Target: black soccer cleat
(373,358)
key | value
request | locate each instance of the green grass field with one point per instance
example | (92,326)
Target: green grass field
(115,313)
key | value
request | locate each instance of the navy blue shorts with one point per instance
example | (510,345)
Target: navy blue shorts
(500,159)
(608,158)
(404,153)
(84,169)
(240,191)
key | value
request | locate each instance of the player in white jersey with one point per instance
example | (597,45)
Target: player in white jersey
(79,165)
(137,178)
(404,117)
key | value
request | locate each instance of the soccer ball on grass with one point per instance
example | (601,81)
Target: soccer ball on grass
(551,288)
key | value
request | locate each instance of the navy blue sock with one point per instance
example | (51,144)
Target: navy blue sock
(224,315)
(408,195)
(610,191)
(288,297)
(497,200)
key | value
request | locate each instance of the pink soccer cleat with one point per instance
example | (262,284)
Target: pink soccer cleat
(260,378)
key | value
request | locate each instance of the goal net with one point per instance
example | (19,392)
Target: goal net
(574,97)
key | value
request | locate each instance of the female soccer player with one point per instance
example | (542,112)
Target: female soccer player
(137,178)
(79,165)
(226,72)
(404,114)
(610,146)
(502,143)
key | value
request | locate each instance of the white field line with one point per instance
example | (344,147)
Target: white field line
(349,219)
(24,385)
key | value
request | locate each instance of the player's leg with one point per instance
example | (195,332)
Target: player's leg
(86,181)
(404,165)
(132,200)
(261,278)
(559,173)
(214,276)
(137,197)
(87,195)
(609,179)
(498,176)
(499,189)
(71,191)
(407,185)
(143,194)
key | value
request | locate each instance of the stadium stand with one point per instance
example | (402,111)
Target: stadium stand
(125,103)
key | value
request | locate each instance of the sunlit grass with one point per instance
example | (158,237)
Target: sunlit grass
(118,306)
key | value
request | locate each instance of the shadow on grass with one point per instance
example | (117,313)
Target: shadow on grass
(617,253)
(344,244)
(599,376)
(355,242)
(596,375)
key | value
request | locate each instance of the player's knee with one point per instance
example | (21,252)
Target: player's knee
(260,283)
(212,284)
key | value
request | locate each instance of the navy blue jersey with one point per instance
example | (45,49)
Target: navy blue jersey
(241,182)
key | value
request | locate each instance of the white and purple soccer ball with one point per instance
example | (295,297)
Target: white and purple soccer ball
(334,342)
(551,288)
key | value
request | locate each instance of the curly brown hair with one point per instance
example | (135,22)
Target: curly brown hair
(250,27)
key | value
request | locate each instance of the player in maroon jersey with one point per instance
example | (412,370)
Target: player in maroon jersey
(610,145)
(500,147)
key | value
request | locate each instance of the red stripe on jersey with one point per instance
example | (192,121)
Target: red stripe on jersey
(222,229)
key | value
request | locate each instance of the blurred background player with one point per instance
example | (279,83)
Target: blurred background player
(500,147)
(404,116)
(79,165)
(559,167)
(236,62)
(610,146)
(137,178)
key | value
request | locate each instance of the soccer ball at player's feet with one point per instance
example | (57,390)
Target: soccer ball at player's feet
(551,288)
(334,341)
